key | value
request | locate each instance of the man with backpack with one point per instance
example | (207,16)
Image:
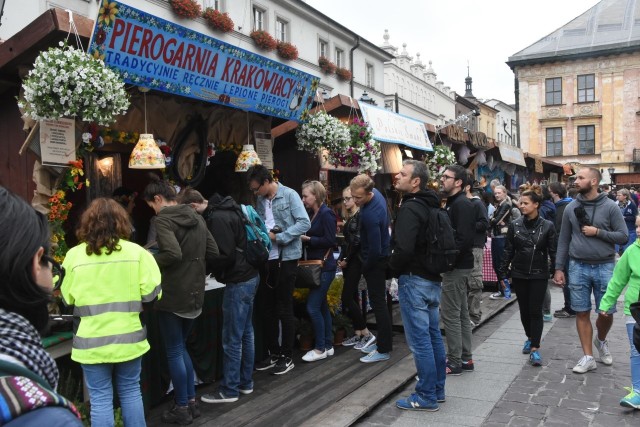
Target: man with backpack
(418,287)
(226,221)
(455,309)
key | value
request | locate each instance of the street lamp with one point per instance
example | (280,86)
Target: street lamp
(611,171)
(367,99)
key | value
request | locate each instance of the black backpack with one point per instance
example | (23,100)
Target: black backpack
(439,236)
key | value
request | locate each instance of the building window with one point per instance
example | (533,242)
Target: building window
(586,139)
(281,30)
(339,58)
(258,19)
(323,47)
(368,75)
(214,4)
(553,90)
(554,142)
(587,88)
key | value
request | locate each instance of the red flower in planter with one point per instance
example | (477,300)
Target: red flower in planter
(263,40)
(186,8)
(218,20)
(343,74)
(326,66)
(287,50)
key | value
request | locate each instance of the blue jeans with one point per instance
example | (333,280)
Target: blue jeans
(634,359)
(632,238)
(419,305)
(585,279)
(175,331)
(237,336)
(98,378)
(318,310)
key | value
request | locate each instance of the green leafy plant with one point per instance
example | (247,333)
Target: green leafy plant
(323,131)
(342,321)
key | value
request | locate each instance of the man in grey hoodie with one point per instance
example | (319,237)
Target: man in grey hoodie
(591,227)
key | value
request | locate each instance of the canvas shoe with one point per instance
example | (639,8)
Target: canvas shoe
(547,317)
(563,314)
(218,397)
(603,349)
(365,341)
(369,349)
(351,341)
(284,365)
(267,363)
(312,356)
(496,295)
(585,364)
(415,403)
(453,370)
(245,391)
(330,351)
(535,359)
(374,356)
(631,400)
(526,348)
(467,366)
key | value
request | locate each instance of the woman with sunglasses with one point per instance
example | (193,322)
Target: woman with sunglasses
(107,280)
(26,283)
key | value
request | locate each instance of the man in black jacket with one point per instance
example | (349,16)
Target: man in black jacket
(474,293)
(418,289)
(455,309)
(223,216)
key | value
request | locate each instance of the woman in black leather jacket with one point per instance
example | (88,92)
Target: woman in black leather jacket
(530,250)
(499,223)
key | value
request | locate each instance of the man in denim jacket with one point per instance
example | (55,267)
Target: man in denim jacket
(286,218)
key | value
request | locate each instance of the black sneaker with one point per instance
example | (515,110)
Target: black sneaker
(453,370)
(283,365)
(178,415)
(467,366)
(194,409)
(267,363)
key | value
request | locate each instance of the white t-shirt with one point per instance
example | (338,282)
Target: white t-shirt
(270,223)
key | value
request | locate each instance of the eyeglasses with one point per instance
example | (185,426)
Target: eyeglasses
(57,271)
(255,190)
(446,177)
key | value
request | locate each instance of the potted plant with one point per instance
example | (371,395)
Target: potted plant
(304,332)
(263,40)
(287,50)
(326,66)
(322,131)
(218,20)
(186,8)
(342,328)
(343,74)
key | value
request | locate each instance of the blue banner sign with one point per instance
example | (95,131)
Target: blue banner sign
(152,52)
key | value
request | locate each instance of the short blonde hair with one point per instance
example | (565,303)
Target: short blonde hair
(362,181)
(317,189)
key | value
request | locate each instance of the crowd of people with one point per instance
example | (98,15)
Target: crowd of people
(539,234)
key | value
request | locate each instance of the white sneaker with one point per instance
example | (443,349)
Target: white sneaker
(496,295)
(586,364)
(330,351)
(603,349)
(312,356)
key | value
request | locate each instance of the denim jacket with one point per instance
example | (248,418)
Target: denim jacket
(289,213)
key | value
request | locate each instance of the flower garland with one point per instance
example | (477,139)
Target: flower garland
(66,82)
(323,131)
(441,157)
(59,207)
(218,20)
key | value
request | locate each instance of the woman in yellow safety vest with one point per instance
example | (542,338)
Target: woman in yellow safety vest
(107,280)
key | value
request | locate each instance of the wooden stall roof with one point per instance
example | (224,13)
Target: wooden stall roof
(544,160)
(45,31)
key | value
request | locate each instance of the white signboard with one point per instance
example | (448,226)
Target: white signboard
(57,142)
(394,128)
(511,154)
(264,148)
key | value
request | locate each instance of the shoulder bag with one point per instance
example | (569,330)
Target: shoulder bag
(309,271)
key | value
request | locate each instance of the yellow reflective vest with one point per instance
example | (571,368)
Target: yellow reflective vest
(107,292)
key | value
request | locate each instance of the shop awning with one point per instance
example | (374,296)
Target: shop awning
(511,154)
(394,128)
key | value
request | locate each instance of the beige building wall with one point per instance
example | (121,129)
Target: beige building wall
(487,121)
(615,111)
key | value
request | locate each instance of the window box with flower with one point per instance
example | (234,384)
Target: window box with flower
(326,66)
(263,40)
(343,74)
(186,8)
(287,50)
(218,20)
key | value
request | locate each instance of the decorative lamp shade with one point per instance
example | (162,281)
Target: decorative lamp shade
(146,154)
(247,158)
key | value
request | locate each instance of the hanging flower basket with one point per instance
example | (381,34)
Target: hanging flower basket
(263,40)
(363,152)
(323,131)
(66,82)
(218,20)
(343,74)
(441,157)
(186,8)
(287,50)
(326,66)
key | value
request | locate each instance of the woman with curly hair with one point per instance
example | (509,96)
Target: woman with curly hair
(107,280)
(530,244)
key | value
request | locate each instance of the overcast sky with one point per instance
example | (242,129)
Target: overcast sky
(452,32)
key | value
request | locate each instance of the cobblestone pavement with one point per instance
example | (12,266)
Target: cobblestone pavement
(505,391)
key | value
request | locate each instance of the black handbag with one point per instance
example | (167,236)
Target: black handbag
(309,271)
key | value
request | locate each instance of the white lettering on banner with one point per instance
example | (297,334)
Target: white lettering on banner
(387,126)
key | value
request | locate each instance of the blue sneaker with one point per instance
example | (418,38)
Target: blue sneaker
(374,356)
(527,347)
(631,400)
(369,349)
(535,359)
(415,403)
